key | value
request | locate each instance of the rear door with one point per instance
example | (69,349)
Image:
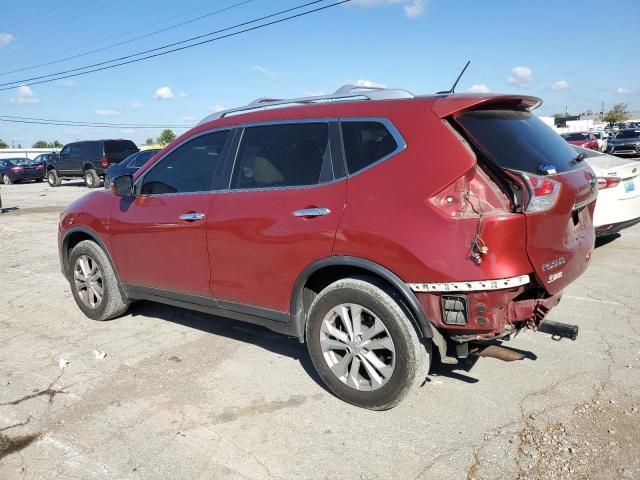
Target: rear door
(557,189)
(280,214)
(159,236)
(75,158)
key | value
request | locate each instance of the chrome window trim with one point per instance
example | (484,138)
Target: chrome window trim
(138,183)
(471,286)
(391,128)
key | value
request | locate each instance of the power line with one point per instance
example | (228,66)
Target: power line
(30,82)
(72,123)
(127,41)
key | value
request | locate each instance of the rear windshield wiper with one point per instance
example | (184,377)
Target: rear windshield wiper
(580,157)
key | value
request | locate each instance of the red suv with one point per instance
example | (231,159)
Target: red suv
(370,224)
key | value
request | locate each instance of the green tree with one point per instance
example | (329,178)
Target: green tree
(56,144)
(41,144)
(166,136)
(619,113)
(150,141)
(3,145)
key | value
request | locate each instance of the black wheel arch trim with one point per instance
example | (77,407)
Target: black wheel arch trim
(297,304)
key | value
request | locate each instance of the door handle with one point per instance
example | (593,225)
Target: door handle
(191,217)
(312,212)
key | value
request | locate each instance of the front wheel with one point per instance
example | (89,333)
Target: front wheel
(364,346)
(6,180)
(94,283)
(91,178)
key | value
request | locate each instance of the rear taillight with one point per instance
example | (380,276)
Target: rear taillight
(543,192)
(39,167)
(16,169)
(104,161)
(607,182)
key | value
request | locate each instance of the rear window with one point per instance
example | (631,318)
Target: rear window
(519,140)
(575,137)
(142,158)
(119,146)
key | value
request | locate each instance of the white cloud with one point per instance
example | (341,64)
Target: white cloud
(217,108)
(368,83)
(66,83)
(136,104)
(24,95)
(265,72)
(128,130)
(188,118)
(623,91)
(412,8)
(107,112)
(520,76)
(164,93)
(183,94)
(560,85)
(479,88)
(5,38)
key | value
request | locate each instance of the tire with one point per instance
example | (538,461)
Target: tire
(97,267)
(53,179)
(91,178)
(6,180)
(399,364)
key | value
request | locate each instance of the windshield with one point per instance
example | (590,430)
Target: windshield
(575,137)
(628,134)
(519,140)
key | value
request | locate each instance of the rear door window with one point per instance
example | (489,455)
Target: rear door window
(366,142)
(283,155)
(142,158)
(518,140)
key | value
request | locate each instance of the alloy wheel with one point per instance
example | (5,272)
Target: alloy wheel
(357,347)
(88,281)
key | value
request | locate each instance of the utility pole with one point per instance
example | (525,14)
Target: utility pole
(601,111)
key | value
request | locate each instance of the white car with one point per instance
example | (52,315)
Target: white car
(618,204)
(602,138)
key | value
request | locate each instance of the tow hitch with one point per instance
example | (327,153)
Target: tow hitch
(559,330)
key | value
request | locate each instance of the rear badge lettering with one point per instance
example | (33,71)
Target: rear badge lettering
(555,263)
(554,276)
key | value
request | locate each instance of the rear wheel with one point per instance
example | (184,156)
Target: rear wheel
(53,179)
(6,180)
(94,283)
(364,346)
(91,178)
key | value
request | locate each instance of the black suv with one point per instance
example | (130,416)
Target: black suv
(88,159)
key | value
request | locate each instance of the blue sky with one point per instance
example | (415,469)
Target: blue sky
(571,54)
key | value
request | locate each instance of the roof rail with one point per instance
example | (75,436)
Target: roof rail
(343,94)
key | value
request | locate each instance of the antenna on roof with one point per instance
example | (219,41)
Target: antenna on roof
(455,84)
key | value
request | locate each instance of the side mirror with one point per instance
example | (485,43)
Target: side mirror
(122,186)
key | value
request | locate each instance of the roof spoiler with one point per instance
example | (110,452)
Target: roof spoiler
(450,105)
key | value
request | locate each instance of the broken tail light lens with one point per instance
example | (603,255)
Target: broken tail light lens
(543,192)
(607,182)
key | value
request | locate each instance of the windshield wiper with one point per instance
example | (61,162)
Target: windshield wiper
(580,157)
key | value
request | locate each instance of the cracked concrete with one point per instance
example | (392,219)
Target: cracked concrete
(185,395)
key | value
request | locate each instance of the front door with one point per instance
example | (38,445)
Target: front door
(279,215)
(159,236)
